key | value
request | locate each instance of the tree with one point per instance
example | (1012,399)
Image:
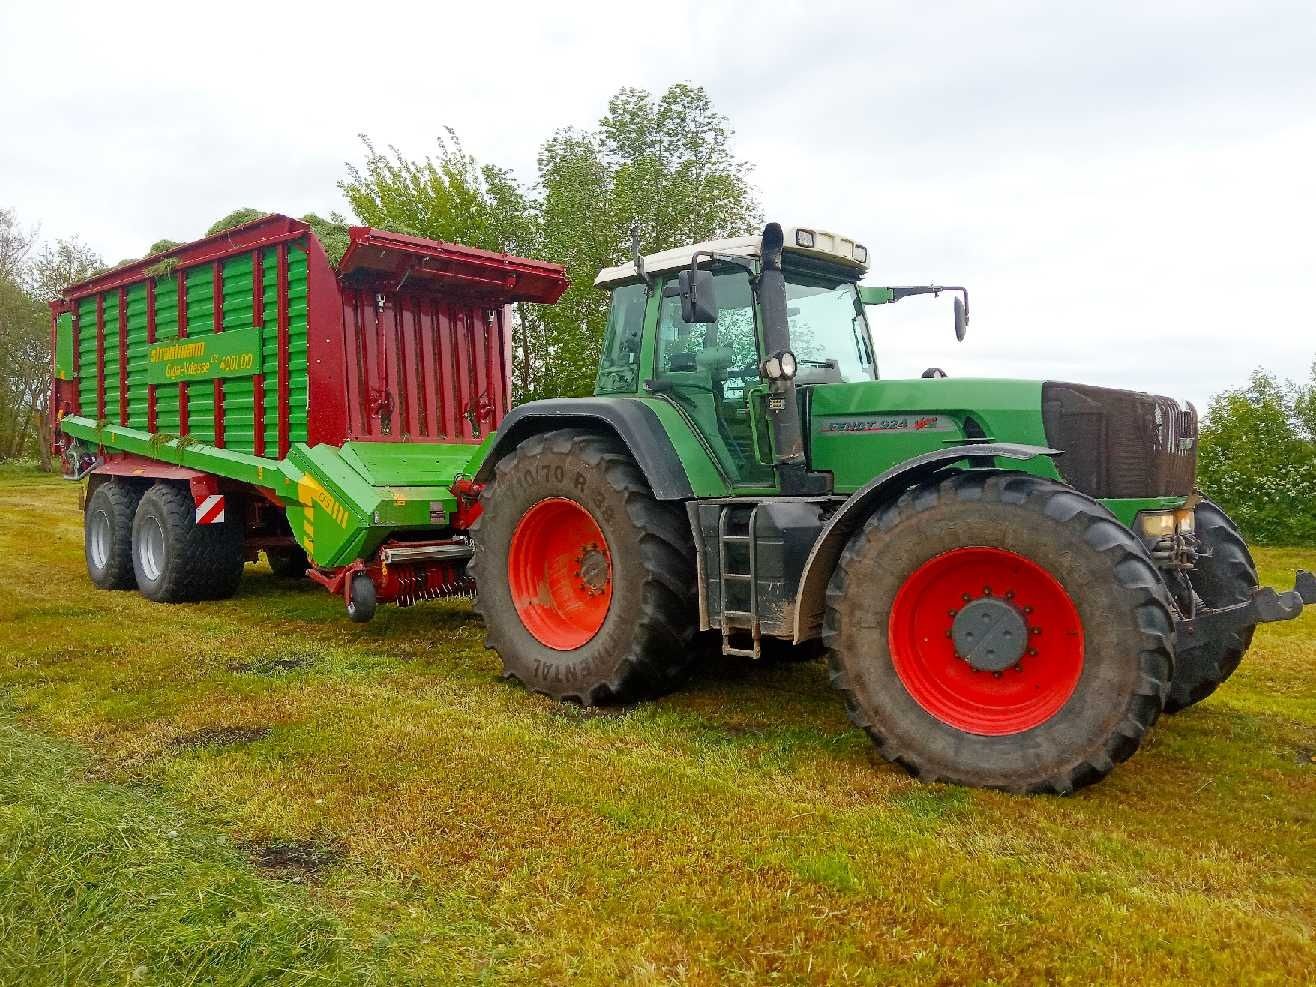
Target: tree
(660,166)
(27,285)
(1257,458)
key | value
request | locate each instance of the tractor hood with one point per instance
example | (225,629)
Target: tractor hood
(1116,443)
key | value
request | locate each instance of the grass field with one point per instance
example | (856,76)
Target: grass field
(258,791)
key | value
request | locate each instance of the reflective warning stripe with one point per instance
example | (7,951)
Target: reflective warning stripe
(210,510)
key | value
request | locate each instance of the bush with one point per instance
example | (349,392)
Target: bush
(1257,459)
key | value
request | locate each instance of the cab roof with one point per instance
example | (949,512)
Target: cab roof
(826,246)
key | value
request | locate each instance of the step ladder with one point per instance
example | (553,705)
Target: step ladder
(736,564)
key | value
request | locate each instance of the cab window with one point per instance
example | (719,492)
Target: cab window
(620,361)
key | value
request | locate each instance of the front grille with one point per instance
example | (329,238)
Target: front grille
(1120,443)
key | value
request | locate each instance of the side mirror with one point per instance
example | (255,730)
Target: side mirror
(697,301)
(961,319)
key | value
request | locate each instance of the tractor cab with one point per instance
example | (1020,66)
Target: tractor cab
(714,360)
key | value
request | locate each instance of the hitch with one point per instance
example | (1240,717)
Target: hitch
(1266,606)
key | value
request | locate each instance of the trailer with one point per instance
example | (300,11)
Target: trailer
(240,394)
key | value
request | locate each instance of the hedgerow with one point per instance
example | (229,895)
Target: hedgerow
(1257,459)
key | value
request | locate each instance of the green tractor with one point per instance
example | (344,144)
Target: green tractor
(1011,579)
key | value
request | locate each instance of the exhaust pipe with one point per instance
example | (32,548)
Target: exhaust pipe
(778,369)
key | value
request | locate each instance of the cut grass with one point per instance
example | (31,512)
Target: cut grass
(444,826)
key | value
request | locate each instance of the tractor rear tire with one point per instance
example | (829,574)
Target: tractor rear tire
(586,581)
(1228,576)
(176,560)
(108,533)
(1076,658)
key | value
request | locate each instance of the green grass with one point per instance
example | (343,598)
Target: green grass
(257,791)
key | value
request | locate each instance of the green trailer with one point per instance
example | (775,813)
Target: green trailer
(1011,579)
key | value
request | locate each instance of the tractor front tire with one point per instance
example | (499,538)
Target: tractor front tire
(586,581)
(108,533)
(176,560)
(1000,630)
(1226,575)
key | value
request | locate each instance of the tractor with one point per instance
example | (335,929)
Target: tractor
(1011,579)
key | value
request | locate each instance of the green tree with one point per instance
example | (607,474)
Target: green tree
(27,285)
(1257,458)
(661,166)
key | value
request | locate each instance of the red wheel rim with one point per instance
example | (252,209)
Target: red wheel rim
(973,699)
(560,573)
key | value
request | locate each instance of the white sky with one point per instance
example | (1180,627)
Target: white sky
(1126,188)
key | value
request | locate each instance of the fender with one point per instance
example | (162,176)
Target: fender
(633,422)
(831,541)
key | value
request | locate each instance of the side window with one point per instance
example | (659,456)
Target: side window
(724,353)
(620,363)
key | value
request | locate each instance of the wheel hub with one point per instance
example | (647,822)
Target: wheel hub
(592,569)
(990,634)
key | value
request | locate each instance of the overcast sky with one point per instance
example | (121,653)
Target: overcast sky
(1126,188)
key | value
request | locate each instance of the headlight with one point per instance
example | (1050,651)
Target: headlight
(1156,524)
(780,366)
(804,238)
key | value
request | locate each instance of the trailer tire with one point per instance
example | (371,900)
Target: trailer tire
(1089,642)
(586,582)
(108,533)
(176,560)
(1228,576)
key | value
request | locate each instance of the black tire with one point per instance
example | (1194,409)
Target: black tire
(288,563)
(1227,577)
(175,560)
(1121,671)
(644,643)
(362,599)
(107,534)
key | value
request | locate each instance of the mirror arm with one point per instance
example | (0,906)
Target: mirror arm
(904,291)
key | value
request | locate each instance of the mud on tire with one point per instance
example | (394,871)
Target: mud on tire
(644,641)
(1227,577)
(1115,599)
(175,560)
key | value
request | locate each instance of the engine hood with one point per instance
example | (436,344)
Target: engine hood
(1116,443)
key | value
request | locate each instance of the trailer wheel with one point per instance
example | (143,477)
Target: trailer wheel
(1000,630)
(585,581)
(177,560)
(362,599)
(1226,577)
(108,532)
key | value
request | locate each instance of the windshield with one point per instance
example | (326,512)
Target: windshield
(829,333)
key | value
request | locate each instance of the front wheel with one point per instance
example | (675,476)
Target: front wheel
(1000,630)
(586,581)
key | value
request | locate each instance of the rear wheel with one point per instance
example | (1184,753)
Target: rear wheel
(107,534)
(586,582)
(1226,575)
(177,560)
(1000,630)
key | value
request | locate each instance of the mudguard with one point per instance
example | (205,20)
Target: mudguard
(812,596)
(632,421)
